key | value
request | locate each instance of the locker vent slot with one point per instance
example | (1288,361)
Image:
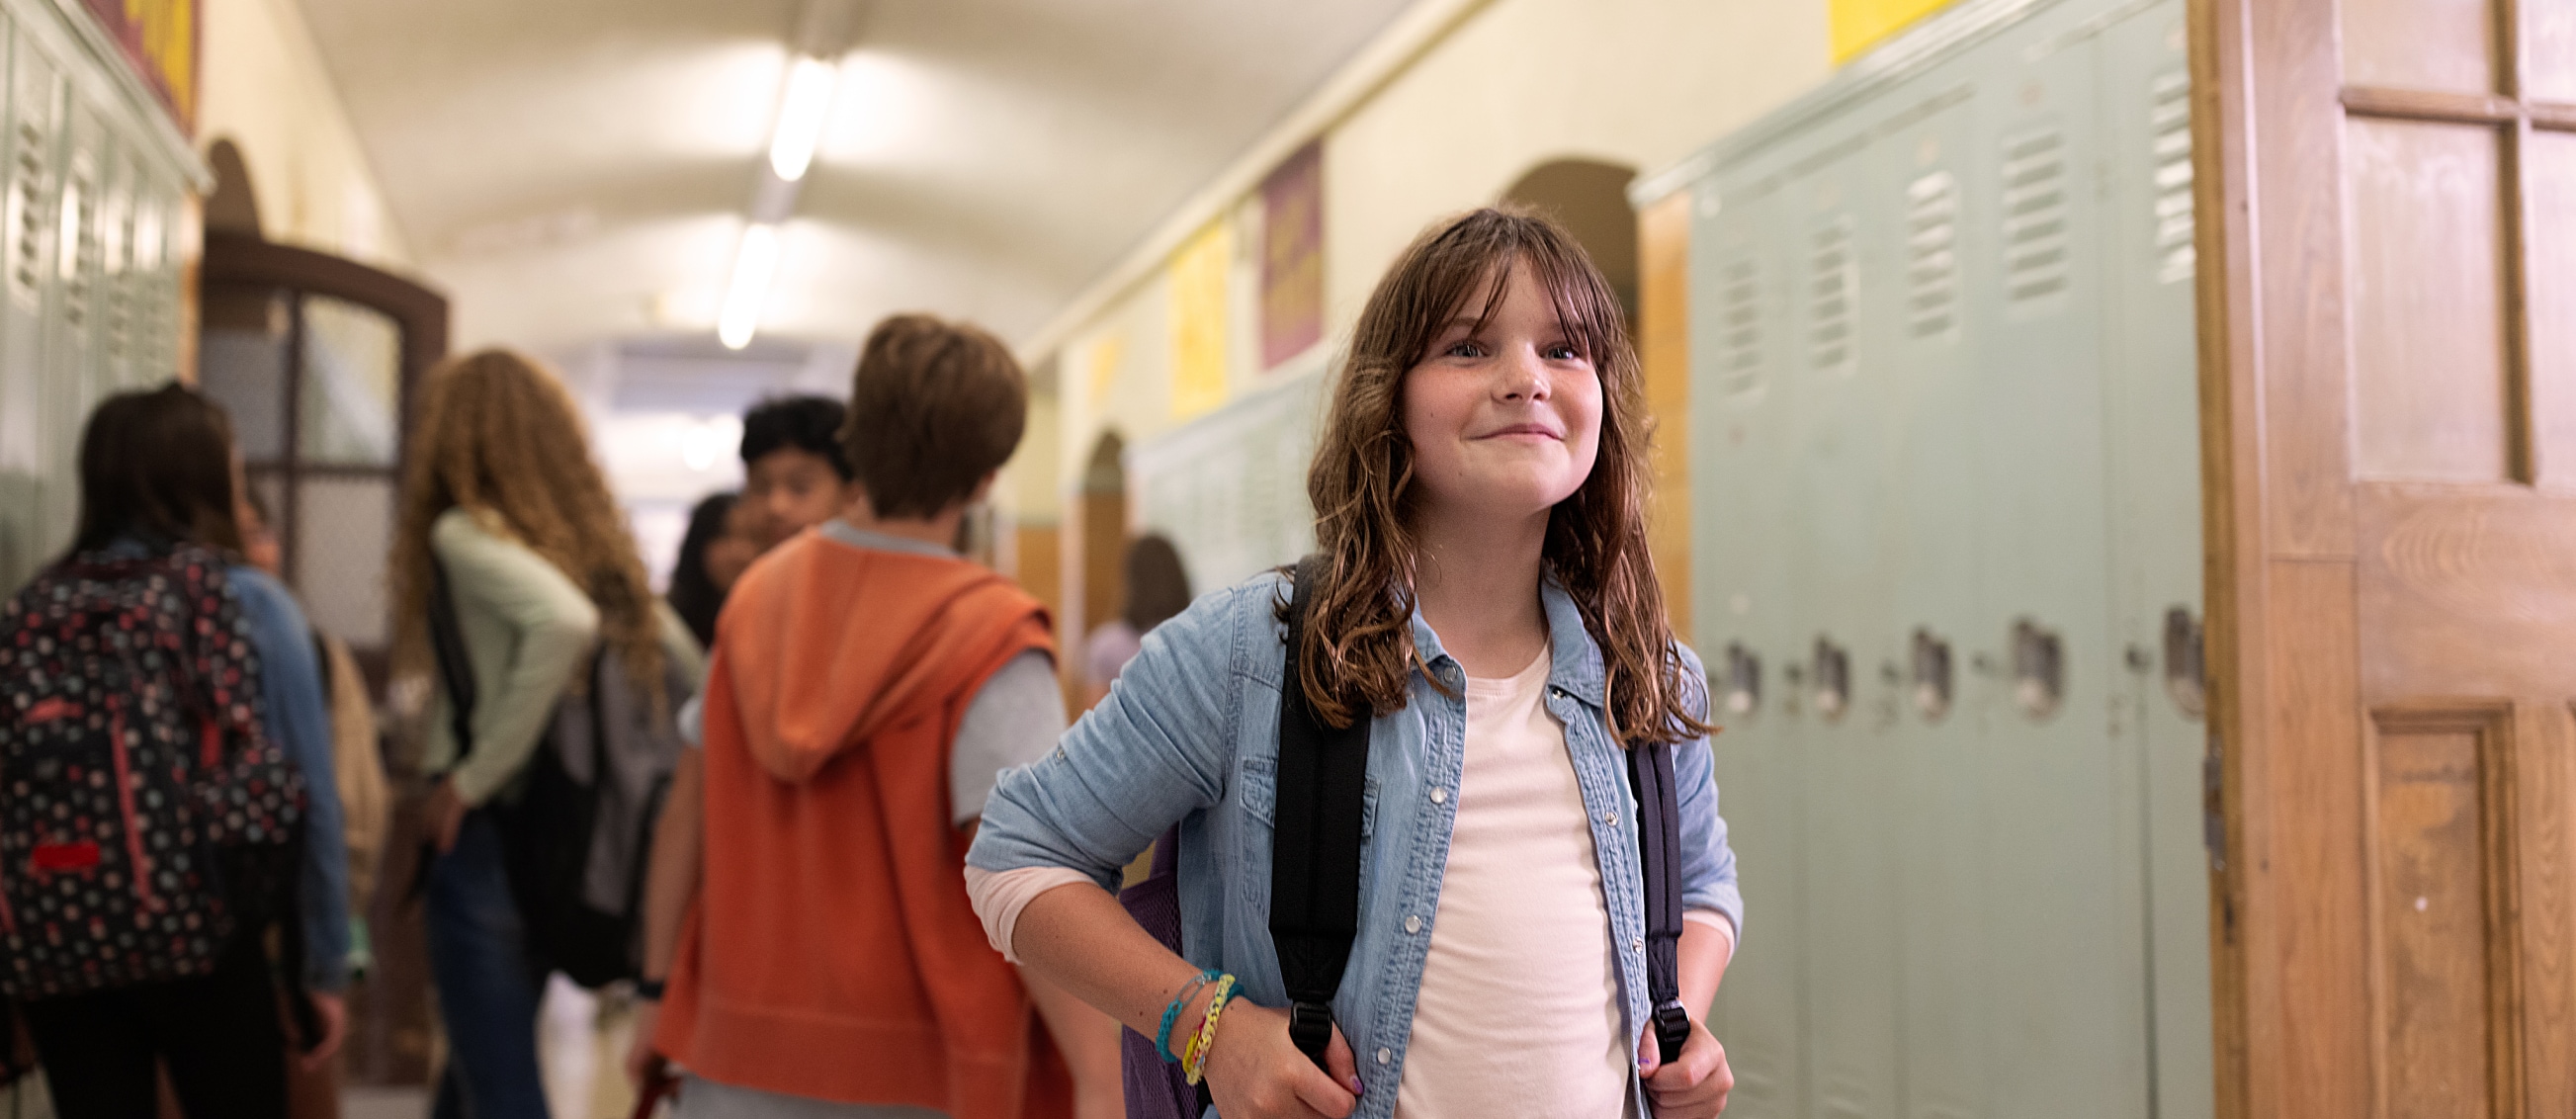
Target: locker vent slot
(2170,121)
(1739,359)
(27,171)
(1835,292)
(79,249)
(1932,256)
(116,231)
(2035,235)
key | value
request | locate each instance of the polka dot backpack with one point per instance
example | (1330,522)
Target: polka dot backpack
(144,818)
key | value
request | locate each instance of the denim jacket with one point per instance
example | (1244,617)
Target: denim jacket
(1190,735)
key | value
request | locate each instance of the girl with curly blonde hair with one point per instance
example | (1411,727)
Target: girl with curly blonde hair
(504,511)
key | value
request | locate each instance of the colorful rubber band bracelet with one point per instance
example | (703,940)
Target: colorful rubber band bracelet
(1189,992)
(1194,1061)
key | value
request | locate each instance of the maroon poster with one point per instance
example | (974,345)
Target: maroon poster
(1292,256)
(159,38)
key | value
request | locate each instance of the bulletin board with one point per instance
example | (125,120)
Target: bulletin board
(1860,24)
(1229,490)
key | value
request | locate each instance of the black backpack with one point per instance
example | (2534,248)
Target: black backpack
(578,838)
(1315,882)
(145,820)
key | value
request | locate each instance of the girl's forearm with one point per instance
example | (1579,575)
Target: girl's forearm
(1705,953)
(1078,937)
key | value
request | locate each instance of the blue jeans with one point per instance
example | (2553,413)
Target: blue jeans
(488,982)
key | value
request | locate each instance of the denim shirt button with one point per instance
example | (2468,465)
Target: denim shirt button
(1439,794)
(1639,944)
(1384,1054)
(1413,924)
(1610,818)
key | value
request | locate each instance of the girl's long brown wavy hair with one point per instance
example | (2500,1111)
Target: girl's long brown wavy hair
(494,433)
(1358,650)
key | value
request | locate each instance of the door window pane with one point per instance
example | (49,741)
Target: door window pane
(241,363)
(2427,288)
(2445,45)
(344,528)
(351,403)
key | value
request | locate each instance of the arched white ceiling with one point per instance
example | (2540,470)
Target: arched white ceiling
(577,170)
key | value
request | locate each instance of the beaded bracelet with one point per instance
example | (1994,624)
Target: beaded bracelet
(1194,1057)
(1189,993)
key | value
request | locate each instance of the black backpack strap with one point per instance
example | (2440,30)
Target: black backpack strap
(1315,847)
(447,643)
(1659,850)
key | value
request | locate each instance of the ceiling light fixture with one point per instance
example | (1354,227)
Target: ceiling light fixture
(753,265)
(801,114)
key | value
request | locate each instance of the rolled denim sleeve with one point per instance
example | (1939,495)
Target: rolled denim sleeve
(1154,751)
(1708,864)
(298,718)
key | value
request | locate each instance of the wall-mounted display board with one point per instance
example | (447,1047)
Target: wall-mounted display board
(93,186)
(1946,573)
(1229,489)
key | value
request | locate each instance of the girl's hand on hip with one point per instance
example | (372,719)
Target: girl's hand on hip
(1255,1072)
(1693,1086)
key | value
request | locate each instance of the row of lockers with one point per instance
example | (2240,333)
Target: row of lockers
(1946,563)
(93,220)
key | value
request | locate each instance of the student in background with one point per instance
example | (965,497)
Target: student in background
(1157,588)
(795,474)
(713,554)
(357,758)
(807,906)
(158,477)
(502,499)
(365,801)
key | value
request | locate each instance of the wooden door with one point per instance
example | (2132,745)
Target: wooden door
(2388,298)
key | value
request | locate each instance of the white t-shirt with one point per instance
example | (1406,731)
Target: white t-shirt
(1519,1010)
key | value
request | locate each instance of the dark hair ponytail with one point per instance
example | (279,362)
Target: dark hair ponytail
(157,462)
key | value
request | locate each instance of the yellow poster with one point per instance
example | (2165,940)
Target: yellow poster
(1198,275)
(1860,24)
(1100,361)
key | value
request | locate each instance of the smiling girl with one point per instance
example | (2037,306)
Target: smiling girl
(1486,600)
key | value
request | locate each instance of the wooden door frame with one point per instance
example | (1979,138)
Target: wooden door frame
(239,259)
(2290,983)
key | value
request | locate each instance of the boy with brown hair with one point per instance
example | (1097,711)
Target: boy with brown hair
(807,902)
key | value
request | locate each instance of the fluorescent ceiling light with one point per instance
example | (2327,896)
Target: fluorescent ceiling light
(752,268)
(800,115)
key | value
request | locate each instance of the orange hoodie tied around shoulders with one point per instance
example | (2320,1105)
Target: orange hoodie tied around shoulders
(832,953)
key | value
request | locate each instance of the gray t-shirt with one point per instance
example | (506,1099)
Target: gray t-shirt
(1014,719)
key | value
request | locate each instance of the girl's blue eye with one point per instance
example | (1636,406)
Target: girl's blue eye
(1463,349)
(1562,352)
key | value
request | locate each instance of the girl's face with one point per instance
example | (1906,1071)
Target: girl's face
(1505,419)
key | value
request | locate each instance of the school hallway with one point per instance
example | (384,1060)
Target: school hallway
(1999,558)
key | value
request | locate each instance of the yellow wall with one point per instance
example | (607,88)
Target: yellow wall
(267,90)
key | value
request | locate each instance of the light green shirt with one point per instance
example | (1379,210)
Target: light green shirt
(527,628)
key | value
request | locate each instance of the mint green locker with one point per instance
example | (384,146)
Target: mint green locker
(30,433)
(2149,350)
(1836,383)
(75,378)
(1741,334)
(1922,161)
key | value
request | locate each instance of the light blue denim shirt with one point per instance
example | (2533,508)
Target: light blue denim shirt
(1190,734)
(297,712)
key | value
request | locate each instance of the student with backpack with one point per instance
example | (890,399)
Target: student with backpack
(166,753)
(1408,785)
(512,556)
(811,950)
